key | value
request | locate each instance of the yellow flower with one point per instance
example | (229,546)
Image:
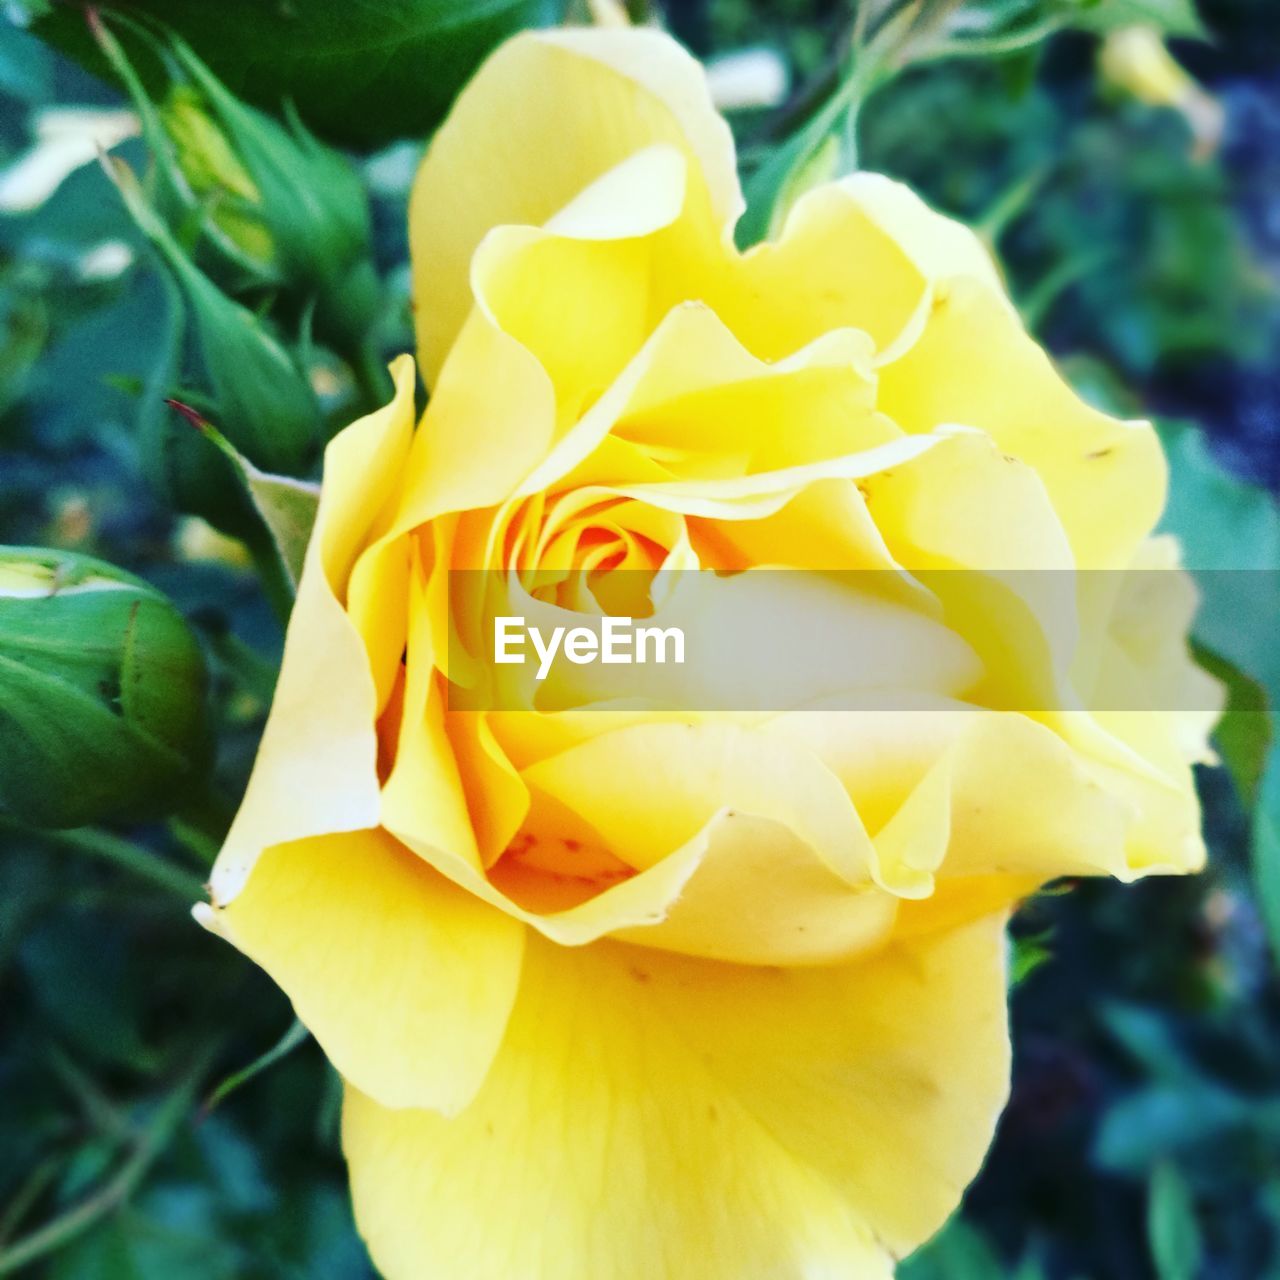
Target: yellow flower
(623,993)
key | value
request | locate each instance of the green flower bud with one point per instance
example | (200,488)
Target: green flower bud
(262,401)
(188,471)
(281,210)
(310,201)
(102,693)
(218,178)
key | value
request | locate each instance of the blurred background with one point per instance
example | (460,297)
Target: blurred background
(161,1115)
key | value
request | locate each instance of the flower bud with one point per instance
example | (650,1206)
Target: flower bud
(102,692)
(218,179)
(1136,60)
(280,209)
(261,399)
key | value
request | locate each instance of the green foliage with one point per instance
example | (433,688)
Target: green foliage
(960,1252)
(1266,847)
(1230,532)
(287,506)
(1143,1136)
(264,400)
(1174,17)
(360,74)
(1177,1247)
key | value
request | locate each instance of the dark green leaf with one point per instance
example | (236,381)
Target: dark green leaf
(87,995)
(1245,732)
(1172,17)
(362,74)
(1266,847)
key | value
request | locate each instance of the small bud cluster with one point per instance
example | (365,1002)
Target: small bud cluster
(263,235)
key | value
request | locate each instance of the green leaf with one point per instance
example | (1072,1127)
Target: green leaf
(1245,733)
(1172,1229)
(1230,534)
(960,1252)
(1165,1120)
(1266,847)
(781,179)
(1170,17)
(362,74)
(287,506)
(86,996)
(1027,955)
(134,1247)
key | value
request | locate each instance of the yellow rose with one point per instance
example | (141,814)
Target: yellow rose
(629,993)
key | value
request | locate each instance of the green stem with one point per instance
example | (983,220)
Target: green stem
(120,853)
(1010,205)
(117,1189)
(991,46)
(37,1183)
(98,1109)
(296,1035)
(1036,306)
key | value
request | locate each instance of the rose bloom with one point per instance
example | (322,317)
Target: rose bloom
(632,992)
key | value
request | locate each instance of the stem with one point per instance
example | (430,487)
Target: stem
(98,1109)
(297,1034)
(991,46)
(40,1179)
(1010,204)
(861,20)
(117,1189)
(121,853)
(1037,305)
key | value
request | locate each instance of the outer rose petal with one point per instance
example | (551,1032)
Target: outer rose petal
(659,1116)
(406,980)
(316,767)
(547,115)
(941,247)
(974,364)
